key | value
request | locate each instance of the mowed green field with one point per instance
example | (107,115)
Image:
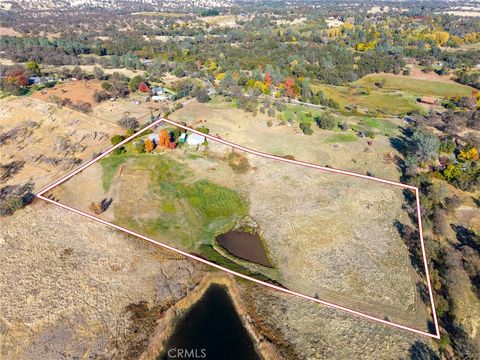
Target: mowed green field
(416,86)
(398,96)
(190,210)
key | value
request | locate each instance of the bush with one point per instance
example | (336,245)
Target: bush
(100,96)
(116,139)
(82,106)
(128,122)
(325,121)
(201,95)
(306,128)
(238,162)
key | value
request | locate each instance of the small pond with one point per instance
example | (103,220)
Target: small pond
(245,246)
(211,329)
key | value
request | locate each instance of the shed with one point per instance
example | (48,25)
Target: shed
(195,139)
(428,100)
(182,138)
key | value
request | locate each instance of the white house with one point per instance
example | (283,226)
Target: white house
(195,139)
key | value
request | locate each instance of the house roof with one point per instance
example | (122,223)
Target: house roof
(428,99)
(195,139)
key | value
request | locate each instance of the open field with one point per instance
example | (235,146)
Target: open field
(89,70)
(81,284)
(49,139)
(417,87)
(74,90)
(9,32)
(252,131)
(399,94)
(70,286)
(220,20)
(368,99)
(336,236)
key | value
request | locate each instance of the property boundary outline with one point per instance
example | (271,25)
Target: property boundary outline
(159,120)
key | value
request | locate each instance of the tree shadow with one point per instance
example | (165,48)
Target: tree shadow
(411,239)
(476,201)
(421,351)
(466,237)
(423,292)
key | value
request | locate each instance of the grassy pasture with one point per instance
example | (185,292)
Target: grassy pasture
(387,102)
(180,201)
(398,96)
(416,86)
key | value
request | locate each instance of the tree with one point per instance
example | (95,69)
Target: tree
(139,146)
(32,67)
(201,95)
(15,80)
(77,73)
(98,73)
(325,121)
(164,138)
(135,83)
(149,145)
(425,145)
(128,122)
(116,139)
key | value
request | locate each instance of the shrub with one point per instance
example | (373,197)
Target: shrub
(201,95)
(128,122)
(306,128)
(116,139)
(325,121)
(100,96)
(238,162)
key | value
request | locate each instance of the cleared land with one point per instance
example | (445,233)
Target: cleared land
(74,90)
(398,95)
(49,139)
(324,147)
(327,235)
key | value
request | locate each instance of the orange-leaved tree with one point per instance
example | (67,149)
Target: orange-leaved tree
(149,145)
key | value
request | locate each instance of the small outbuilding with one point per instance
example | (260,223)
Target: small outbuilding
(428,100)
(195,139)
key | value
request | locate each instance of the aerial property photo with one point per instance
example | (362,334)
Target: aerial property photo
(239,180)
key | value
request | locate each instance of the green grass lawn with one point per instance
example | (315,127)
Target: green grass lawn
(341,138)
(397,97)
(382,101)
(110,165)
(416,87)
(300,113)
(190,211)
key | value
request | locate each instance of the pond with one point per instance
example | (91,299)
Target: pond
(211,329)
(245,246)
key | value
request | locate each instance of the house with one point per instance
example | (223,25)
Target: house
(40,80)
(195,139)
(146,62)
(158,90)
(428,100)
(159,97)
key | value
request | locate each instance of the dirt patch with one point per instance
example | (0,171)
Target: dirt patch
(74,90)
(9,32)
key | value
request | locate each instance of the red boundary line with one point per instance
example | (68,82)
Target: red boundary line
(278,288)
